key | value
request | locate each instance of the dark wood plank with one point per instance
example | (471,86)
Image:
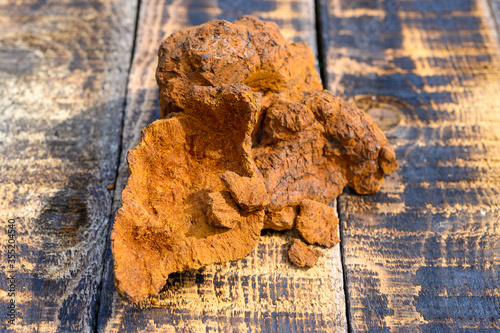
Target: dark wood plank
(422,255)
(262,292)
(63,68)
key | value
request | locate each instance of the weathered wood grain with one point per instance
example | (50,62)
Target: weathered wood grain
(63,68)
(423,254)
(495,11)
(262,293)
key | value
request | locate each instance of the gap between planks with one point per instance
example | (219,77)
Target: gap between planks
(322,66)
(118,161)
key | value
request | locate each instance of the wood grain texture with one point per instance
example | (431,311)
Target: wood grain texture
(262,293)
(423,254)
(63,68)
(495,11)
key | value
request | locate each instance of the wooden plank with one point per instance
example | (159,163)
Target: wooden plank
(495,10)
(261,293)
(63,68)
(422,255)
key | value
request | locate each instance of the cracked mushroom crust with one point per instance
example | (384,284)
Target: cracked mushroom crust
(162,226)
(247,131)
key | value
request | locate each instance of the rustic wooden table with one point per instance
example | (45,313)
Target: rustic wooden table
(77,86)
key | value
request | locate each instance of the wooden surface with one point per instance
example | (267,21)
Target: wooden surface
(63,68)
(423,254)
(495,11)
(262,293)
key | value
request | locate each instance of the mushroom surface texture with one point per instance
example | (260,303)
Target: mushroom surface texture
(248,140)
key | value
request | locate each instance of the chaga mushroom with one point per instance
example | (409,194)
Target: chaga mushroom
(248,51)
(315,145)
(283,219)
(248,140)
(301,255)
(176,189)
(308,143)
(318,223)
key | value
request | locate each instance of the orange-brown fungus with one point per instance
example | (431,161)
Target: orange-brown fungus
(301,255)
(317,223)
(248,140)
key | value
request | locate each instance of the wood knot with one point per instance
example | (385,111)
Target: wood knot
(387,111)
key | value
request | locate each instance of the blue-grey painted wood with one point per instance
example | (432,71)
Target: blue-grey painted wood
(422,255)
(63,70)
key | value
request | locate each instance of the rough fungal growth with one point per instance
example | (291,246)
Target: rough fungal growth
(248,140)
(301,255)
